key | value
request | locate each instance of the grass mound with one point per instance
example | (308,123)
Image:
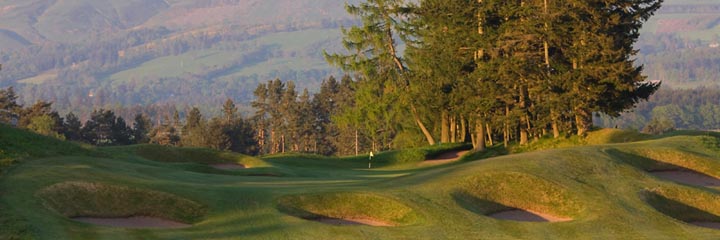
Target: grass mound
(685,204)
(663,159)
(85,199)
(355,207)
(195,155)
(611,135)
(497,192)
(16,144)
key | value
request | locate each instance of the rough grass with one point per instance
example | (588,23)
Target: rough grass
(18,143)
(348,206)
(494,192)
(85,199)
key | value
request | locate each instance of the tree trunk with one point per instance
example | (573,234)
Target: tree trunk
(555,124)
(463,130)
(357,143)
(445,128)
(506,132)
(524,117)
(453,129)
(583,120)
(282,143)
(480,128)
(524,139)
(273,138)
(489,134)
(401,68)
(424,130)
(473,139)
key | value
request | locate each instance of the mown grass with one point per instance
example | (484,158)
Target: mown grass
(603,188)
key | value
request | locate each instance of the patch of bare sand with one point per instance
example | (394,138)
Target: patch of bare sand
(132,222)
(688,177)
(527,216)
(446,157)
(228,166)
(352,222)
(715,225)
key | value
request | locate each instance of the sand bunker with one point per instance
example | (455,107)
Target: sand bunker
(715,225)
(133,222)
(446,157)
(228,166)
(527,216)
(352,222)
(687,177)
(348,209)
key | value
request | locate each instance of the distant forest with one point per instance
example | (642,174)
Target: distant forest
(80,84)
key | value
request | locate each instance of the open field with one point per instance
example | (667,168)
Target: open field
(604,189)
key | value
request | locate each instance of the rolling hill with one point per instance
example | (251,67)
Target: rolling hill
(654,188)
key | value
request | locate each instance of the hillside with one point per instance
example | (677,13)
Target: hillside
(680,45)
(157,51)
(621,190)
(89,54)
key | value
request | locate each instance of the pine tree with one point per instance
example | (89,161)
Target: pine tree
(194,129)
(260,117)
(229,110)
(374,55)
(441,57)
(141,128)
(603,77)
(72,126)
(9,108)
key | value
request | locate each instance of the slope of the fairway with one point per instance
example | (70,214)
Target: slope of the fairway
(600,192)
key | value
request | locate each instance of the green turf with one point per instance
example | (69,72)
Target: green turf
(601,185)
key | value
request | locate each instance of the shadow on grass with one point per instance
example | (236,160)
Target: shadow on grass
(667,171)
(477,205)
(678,210)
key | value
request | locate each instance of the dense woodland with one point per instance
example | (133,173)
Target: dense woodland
(482,72)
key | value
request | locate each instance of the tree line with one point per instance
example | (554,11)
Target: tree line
(476,70)
(283,121)
(670,109)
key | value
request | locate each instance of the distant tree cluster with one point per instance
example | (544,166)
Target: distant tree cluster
(103,128)
(672,109)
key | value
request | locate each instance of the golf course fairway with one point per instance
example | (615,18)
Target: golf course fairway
(603,188)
